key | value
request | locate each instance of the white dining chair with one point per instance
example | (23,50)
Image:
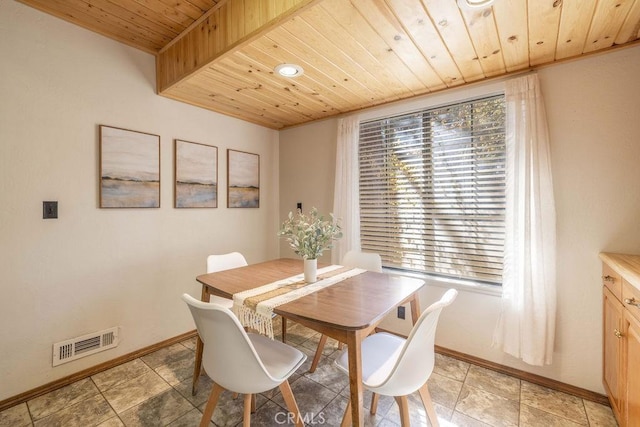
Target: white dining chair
(394,366)
(228,261)
(354,259)
(223,262)
(242,362)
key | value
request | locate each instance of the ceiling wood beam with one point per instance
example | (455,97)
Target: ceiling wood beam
(222,31)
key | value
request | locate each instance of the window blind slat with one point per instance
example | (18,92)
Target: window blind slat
(432,188)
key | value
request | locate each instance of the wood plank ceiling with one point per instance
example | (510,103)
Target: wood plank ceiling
(221,54)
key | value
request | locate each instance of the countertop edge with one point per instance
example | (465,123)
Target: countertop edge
(627,265)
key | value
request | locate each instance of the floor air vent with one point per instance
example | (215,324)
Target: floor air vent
(75,348)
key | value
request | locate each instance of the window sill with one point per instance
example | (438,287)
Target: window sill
(461,285)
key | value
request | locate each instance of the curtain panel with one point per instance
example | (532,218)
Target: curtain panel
(526,327)
(346,199)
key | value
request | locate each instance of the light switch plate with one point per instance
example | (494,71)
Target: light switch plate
(49,210)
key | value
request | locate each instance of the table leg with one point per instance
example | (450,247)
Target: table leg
(354,341)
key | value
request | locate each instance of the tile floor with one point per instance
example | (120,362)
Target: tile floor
(155,390)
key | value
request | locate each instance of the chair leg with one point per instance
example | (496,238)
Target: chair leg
(316,358)
(246,418)
(211,405)
(374,403)
(284,329)
(403,403)
(346,418)
(292,406)
(253,403)
(428,405)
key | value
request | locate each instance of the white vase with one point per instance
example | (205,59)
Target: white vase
(310,270)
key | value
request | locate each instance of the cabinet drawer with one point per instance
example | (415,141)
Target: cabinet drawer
(631,299)
(612,281)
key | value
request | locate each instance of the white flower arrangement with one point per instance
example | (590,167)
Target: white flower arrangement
(310,235)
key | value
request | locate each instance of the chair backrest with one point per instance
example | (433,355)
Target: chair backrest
(367,260)
(417,357)
(228,357)
(225,262)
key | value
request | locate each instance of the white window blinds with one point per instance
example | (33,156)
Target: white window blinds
(432,187)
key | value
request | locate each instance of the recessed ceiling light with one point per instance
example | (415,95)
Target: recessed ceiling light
(473,4)
(289,70)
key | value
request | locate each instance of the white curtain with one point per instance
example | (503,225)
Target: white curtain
(346,196)
(526,328)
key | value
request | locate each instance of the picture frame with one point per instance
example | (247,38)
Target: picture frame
(129,168)
(243,179)
(196,175)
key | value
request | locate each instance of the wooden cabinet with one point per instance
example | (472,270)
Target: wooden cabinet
(632,368)
(612,347)
(621,335)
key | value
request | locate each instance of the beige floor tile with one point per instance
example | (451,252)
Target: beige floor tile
(450,367)
(417,412)
(190,419)
(161,409)
(461,420)
(202,393)
(532,417)
(310,395)
(599,415)
(57,400)
(228,411)
(122,373)
(89,412)
(112,422)
(555,402)
(16,416)
(177,370)
(166,355)
(135,391)
(488,407)
(443,390)
(493,382)
(190,343)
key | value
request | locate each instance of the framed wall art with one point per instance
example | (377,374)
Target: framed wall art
(196,177)
(243,179)
(129,169)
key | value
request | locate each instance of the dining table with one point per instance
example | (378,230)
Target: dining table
(347,311)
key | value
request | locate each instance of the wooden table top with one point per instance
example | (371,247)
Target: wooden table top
(354,303)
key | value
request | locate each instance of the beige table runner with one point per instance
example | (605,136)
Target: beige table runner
(254,307)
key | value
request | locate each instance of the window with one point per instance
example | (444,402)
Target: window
(432,189)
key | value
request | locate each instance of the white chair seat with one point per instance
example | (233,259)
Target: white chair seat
(279,359)
(379,355)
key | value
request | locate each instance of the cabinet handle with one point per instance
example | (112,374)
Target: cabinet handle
(617,333)
(632,301)
(608,278)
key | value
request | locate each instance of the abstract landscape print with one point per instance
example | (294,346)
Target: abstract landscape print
(243,179)
(196,175)
(129,169)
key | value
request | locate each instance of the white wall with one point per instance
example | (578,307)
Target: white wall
(592,107)
(309,154)
(96,268)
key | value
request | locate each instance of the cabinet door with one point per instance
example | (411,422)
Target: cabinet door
(612,347)
(632,364)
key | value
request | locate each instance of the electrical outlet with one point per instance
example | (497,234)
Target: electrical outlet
(49,210)
(401,312)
